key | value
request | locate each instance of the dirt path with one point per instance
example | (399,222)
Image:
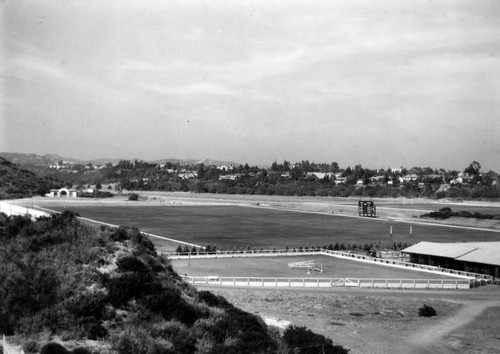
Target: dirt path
(430,339)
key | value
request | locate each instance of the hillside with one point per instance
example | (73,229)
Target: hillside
(106,290)
(16,182)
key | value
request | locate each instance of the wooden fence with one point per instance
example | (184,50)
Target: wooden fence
(332,282)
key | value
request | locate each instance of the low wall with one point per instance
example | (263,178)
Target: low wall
(332,282)
(12,209)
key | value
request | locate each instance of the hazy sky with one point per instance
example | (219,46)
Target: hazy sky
(379,83)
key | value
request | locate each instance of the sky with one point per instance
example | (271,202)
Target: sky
(377,83)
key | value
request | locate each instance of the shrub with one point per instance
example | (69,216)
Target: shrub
(31,347)
(427,311)
(302,340)
(132,264)
(53,348)
(119,234)
(133,196)
(126,287)
(81,350)
(212,300)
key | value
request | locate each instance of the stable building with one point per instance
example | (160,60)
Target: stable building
(475,257)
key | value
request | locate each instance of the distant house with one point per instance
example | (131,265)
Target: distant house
(377,179)
(462,178)
(340,180)
(408,178)
(188,175)
(232,177)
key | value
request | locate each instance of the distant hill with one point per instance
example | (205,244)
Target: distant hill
(24,159)
(17,182)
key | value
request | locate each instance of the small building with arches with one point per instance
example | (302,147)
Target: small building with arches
(63,193)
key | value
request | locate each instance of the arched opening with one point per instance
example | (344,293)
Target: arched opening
(64,192)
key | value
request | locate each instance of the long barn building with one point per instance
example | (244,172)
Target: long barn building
(476,257)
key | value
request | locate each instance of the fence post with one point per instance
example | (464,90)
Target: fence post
(248,281)
(428,284)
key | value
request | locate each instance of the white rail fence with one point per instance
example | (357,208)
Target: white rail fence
(264,282)
(10,349)
(481,278)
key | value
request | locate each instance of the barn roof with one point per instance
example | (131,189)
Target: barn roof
(477,252)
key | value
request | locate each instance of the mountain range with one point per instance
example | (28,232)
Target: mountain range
(27,159)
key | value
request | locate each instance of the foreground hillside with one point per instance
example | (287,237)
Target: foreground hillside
(104,290)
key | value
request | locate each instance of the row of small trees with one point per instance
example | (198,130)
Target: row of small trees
(366,248)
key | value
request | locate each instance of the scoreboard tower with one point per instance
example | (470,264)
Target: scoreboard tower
(367,208)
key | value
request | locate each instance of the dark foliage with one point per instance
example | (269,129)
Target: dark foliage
(301,340)
(213,300)
(132,264)
(133,196)
(427,311)
(54,348)
(120,234)
(445,213)
(81,350)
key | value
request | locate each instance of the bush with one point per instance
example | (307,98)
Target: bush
(132,264)
(212,300)
(119,234)
(427,311)
(133,196)
(302,340)
(81,350)
(53,348)
(31,347)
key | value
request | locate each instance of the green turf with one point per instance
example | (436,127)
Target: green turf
(278,267)
(239,227)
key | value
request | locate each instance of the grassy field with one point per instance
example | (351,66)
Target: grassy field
(235,227)
(278,267)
